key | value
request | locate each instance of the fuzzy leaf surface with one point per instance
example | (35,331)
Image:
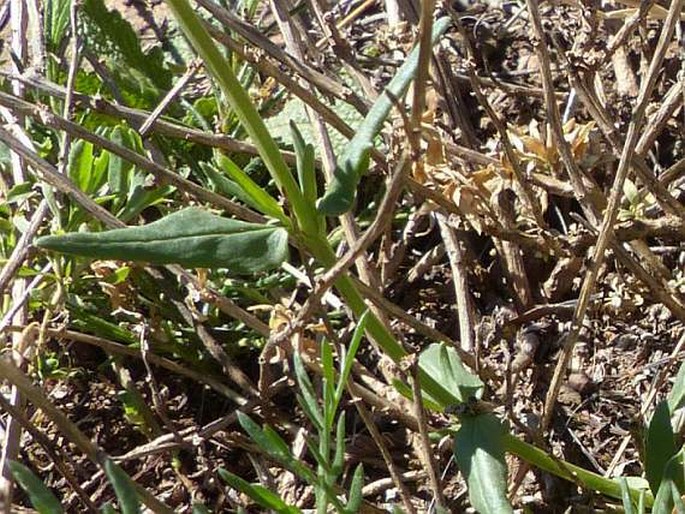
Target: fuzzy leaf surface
(192,238)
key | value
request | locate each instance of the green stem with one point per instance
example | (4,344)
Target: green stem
(567,471)
(244,109)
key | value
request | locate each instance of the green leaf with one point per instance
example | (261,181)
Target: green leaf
(631,192)
(591,481)
(260,494)
(628,505)
(355,160)
(444,366)
(245,110)
(660,445)
(56,22)
(123,488)
(479,452)
(41,497)
(306,172)
(671,486)
(139,198)
(192,237)
(117,172)
(676,399)
(339,457)
(355,497)
(307,397)
(222,185)
(123,38)
(348,356)
(260,198)
(198,508)
(328,384)
(80,168)
(269,441)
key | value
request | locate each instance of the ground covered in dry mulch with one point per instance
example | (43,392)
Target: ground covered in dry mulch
(628,348)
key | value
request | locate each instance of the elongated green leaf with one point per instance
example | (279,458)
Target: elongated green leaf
(625,497)
(56,22)
(339,456)
(328,383)
(81,164)
(479,452)
(222,185)
(443,364)
(258,493)
(306,175)
(244,110)
(263,200)
(118,170)
(306,172)
(671,486)
(355,160)
(307,396)
(268,441)
(355,498)
(192,237)
(660,445)
(571,472)
(676,399)
(665,500)
(124,488)
(41,497)
(349,355)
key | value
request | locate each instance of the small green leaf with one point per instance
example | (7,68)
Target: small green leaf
(444,366)
(198,508)
(660,445)
(671,486)
(328,383)
(124,488)
(631,192)
(139,198)
(260,494)
(626,498)
(192,237)
(222,185)
(119,168)
(355,497)
(307,396)
(20,192)
(355,160)
(339,456)
(479,452)
(266,438)
(676,399)
(81,162)
(306,171)
(56,22)
(41,497)
(260,198)
(348,357)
